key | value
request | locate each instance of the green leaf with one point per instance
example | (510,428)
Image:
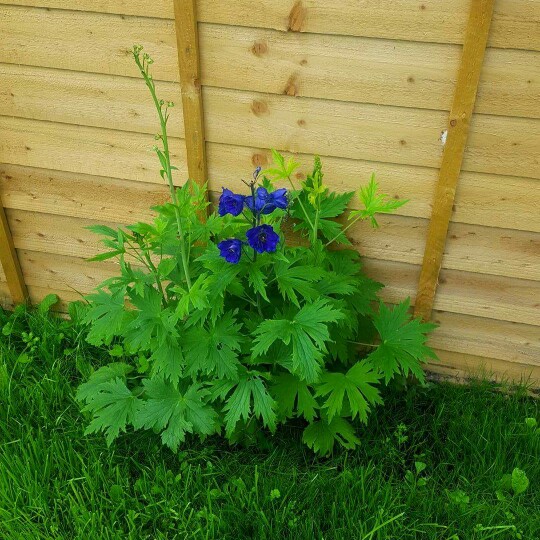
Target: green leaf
(402,349)
(520,482)
(107,316)
(214,350)
(358,385)
(168,360)
(321,436)
(47,303)
(197,298)
(106,255)
(166,266)
(374,203)
(307,332)
(173,413)
(116,351)
(103,374)
(293,280)
(24,358)
(103,230)
(113,406)
(289,391)
(250,393)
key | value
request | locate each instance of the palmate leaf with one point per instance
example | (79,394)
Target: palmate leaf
(106,316)
(321,435)
(174,413)
(214,350)
(358,385)
(104,374)
(250,394)
(307,332)
(293,396)
(402,348)
(374,203)
(294,281)
(113,406)
(168,359)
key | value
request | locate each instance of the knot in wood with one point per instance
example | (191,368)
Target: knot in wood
(259,48)
(297,17)
(258,108)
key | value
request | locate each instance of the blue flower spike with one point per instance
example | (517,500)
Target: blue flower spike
(263,238)
(230,203)
(231,250)
(256,173)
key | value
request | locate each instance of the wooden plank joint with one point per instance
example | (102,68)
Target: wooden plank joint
(474,47)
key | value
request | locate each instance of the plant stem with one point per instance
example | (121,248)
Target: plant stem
(343,231)
(167,168)
(300,202)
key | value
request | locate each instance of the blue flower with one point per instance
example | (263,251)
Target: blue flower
(256,173)
(265,202)
(230,203)
(230,250)
(263,238)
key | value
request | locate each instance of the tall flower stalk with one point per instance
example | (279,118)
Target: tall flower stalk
(143,63)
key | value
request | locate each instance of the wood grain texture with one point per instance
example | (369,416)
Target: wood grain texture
(492,200)
(492,297)
(499,145)
(515,22)
(458,130)
(87,150)
(187,41)
(464,368)
(86,99)
(411,74)
(342,129)
(507,341)
(9,262)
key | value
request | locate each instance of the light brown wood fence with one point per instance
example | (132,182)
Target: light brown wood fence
(370,85)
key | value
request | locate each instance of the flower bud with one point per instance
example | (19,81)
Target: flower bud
(170,104)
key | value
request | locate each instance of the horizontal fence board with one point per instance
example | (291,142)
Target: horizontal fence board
(462,368)
(85,99)
(62,273)
(79,196)
(508,341)
(492,297)
(515,22)
(365,70)
(361,131)
(88,150)
(400,73)
(85,41)
(482,199)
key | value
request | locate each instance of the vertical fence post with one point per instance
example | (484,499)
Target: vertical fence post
(474,47)
(187,41)
(10,262)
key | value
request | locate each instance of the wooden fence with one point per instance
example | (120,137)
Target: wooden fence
(440,99)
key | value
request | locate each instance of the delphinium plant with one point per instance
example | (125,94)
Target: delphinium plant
(223,324)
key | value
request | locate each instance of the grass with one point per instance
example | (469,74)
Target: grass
(56,483)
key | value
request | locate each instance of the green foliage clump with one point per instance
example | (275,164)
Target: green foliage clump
(216,323)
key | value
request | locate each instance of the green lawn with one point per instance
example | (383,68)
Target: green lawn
(56,483)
